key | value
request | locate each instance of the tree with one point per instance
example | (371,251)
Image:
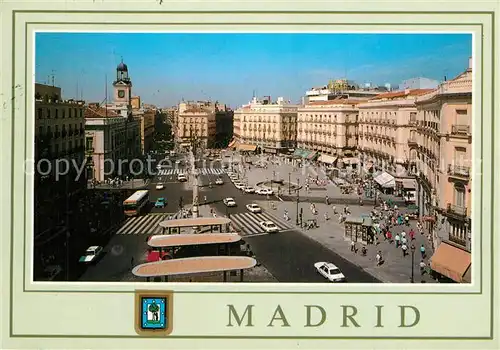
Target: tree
(154,309)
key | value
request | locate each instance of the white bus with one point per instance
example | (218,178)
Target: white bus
(134,204)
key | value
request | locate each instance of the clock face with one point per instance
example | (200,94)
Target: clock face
(121,93)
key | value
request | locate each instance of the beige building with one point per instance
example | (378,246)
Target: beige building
(330,128)
(135,102)
(441,148)
(195,120)
(59,134)
(272,126)
(147,129)
(385,122)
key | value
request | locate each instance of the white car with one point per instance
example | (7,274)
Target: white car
(177,161)
(229,202)
(268,226)
(329,271)
(249,189)
(219,181)
(91,254)
(239,185)
(254,208)
(181,178)
(159,186)
(264,191)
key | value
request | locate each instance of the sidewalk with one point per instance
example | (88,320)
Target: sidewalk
(396,268)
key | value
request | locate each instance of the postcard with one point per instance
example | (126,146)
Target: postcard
(186,177)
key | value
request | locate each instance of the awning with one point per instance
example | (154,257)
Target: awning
(452,262)
(185,144)
(385,180)
(409,184)
(325,158)
(246,147)
(312,155)
(352,160)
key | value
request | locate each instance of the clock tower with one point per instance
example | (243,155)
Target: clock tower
(122,85)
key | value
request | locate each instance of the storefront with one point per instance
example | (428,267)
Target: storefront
(351,162)
(359,229)
(326,159)
(451,263)
(403,186)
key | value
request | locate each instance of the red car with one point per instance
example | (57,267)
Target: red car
(154,255)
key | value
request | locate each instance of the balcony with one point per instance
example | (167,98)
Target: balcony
(457,210)
(459,171)
(458,129)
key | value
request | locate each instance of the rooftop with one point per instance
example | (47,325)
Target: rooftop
(95,111)
(402,93)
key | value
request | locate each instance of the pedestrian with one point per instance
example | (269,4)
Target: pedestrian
(397,239)
(412,234)
(353,246)
(334,209)
(404,248)
(389,236)
(403,240)
(422,251)
(422,267)
(407,220)
(403,234)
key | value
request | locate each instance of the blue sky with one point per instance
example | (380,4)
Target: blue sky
(165,68)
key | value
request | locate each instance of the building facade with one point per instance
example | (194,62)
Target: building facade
(272,126)
(418,83)
(384,130)
(195,120)
(59,135)
(329,127)
(113,135)
(223,125)
(147,120)
(440,143)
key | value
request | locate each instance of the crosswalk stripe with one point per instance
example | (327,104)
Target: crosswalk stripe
(152,223)
(249,224)
(138,223)
(127,223)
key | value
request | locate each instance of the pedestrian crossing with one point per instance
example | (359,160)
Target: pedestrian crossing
(140,225)
(202,171)
(248,223)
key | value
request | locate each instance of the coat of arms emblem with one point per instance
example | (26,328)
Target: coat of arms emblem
(153,313)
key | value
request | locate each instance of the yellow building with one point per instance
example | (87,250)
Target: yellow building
(441,147)
(195,120)
(272,126)
(330,128)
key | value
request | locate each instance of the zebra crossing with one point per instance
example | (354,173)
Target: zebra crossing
(139,225)
(202,171)
(248,223)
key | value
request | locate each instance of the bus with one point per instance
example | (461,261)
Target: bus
(134,204)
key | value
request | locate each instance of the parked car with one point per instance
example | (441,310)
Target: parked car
(159,186)
(91,254)
(239,185)
(264,191)
(329,271)
(160,203)
(229,202)
(249,189)
(254,208)
(269,226)
(219,181)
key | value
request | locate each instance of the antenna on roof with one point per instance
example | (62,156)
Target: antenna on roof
(106,93)
(77,89)
(53,77)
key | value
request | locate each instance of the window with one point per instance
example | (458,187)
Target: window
(40,130)
(461,117)
(460,156)
(460,195)
(413,117)
(48,113)
(40,113)
(64,112)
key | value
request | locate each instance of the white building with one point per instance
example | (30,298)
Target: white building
(418,83)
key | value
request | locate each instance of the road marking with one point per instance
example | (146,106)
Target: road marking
(147,224)
(249,222)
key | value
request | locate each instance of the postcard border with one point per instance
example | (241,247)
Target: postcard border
(492,16)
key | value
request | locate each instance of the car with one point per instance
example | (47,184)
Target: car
(249,189)
(160,203)
(177,161)
(254,208)
(229,202)
(264,191)
(159,186)
(239,185)
(181,178)
(91,254)
(269,226)
(219,181)
(329,271)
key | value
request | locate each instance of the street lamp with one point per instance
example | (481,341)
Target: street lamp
(412,262)
(297,217)
(289,190)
